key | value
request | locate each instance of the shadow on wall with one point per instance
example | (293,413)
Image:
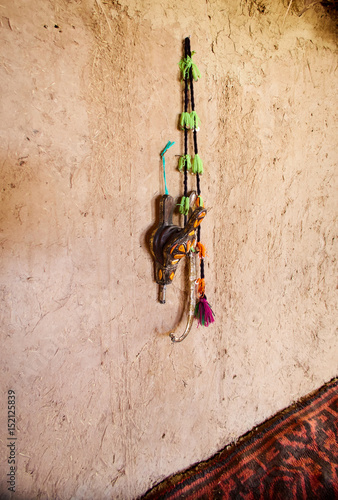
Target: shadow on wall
(326,23)
(331,6)
(320,16)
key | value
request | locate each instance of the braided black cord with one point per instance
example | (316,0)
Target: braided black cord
(194,131)
(186,102)
(198,182)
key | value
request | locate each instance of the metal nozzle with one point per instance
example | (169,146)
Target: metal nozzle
(163,289)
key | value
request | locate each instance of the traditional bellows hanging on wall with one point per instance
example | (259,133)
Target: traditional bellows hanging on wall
(170,243)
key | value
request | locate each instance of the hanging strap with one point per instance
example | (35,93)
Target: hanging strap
(185,74)
(169,144)
(190,78)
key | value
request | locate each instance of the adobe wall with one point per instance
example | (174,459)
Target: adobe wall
(106,405)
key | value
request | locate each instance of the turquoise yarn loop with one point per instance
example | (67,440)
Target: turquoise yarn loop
(169,144)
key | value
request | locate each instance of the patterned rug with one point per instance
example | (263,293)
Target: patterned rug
(292,456)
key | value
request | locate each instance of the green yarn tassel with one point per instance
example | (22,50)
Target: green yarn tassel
(183,161)
(197,165)
(189,120)
(185,120)
(181,209)
(185,64)
(194,120)
(195,72)
(187,206)
(184,205)
(200,201)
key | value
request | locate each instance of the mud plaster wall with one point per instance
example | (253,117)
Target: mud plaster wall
(106,405)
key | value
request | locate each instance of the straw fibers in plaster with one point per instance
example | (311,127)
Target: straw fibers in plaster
(106,405)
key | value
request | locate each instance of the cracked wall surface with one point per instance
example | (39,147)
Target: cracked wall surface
(106,405)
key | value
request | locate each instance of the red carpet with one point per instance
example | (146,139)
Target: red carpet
(292,456)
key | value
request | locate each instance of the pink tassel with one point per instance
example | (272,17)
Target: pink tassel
(203,312)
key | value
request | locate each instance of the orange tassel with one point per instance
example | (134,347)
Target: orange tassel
(201,249)
(201,286)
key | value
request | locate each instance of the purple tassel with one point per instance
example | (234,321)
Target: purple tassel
(203,312)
